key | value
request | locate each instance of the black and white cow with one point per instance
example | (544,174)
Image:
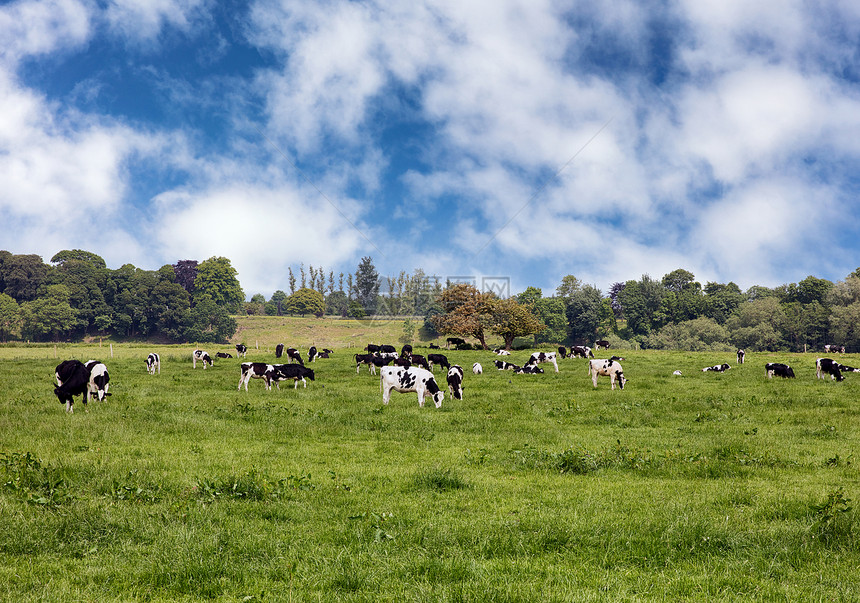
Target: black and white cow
(371,348)
(741,355)
(779,369)
(439,359)
(72,380)
(581,351)
(539,357)
(372,361)
(609,368)
(202,356)
(387,349)
(406,351)
(501,352)
(293,371)
(256,370)
(412,379)
(419,360)
(323,354)
(718,368)
(562,351)
(836,349)
(328,351)
(223,355)
(241,350)
(505,366)
(529,369)
(293,354)
(844,368)
(455,340)
(99,381)
(153,363)
(312,353)
(601,343)
(279,350)
(477,368)
(455,381)
(828,366)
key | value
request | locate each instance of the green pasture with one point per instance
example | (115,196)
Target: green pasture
(699,487)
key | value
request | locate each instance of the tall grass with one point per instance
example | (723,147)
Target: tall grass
(701,487)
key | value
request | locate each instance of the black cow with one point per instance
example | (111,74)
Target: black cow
(292,371)
(454,340)
(372,361)
(529,369)
(387,349)
(371,348)
(601,343)
(293,354)
(153,363)
(836,349)
(439,359)
(279,350)
(241,350)
(223,355)
(581,351)
(72,380)
(312,353)
(778,369)
(420,360)
(562,351)
(406,351)
(827,366)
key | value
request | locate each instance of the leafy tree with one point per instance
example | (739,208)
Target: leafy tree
(367,284)
(511,319)
(569,285)
(48,316)
(530,296)
(757,325)
(216,278)
(583,311)
(356,310)
(465,311)
(278,299)
(24,276)
(186,273)
(640,302)
(337,304)
(683,298)
(700,334)
(722,301)
(292,280)
(551,312)
(306,301)
(845,324)
(79,255)
(86,276)
(10,316)
(209,322)
(845,293)
(170,306)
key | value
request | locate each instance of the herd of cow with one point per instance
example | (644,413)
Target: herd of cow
(409,372)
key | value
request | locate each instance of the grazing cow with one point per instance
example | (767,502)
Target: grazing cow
(455,340)
(153,363)
(406,351)
(99,380)
(477,368)
(455,381)
(202,356)
(312,353)
(601,343)
(223,355)
(371,348)
(562,351)
(387,349)
(372,361)
(827,366)
(844,368)
(241,350)
(362,359)
(433,346)
(439,359)
(836,349)
(279,350)
(501,352)
(72,380)
(719,368)
(610,368)
(581,351)
(421,361)
(539,357)
(293,354)
(505,366)
(294,372)
(256,370)
(741,355)
(412,379)
(404,361)
(529,369)
(778,369)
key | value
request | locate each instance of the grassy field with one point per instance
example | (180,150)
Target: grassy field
(703,487)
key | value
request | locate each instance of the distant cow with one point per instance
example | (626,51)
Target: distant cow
(836,349)
(477,368)
(412,379)
(255,370)
(279,350)
(455,381)
(718,368)
(529,369)
(372,361)
(202,356)
(72,380)
(454,340)
(387,349)
(610,368)
(292,371)
(562,351)
(778,369)
(293,354)
(601,343)
(241,350)
(505,366)
(223,355)
(539,357)
(406,351)
(371,348)
(153,363)
(99,380)
(312,353)
(827,366)
(581,351)
(439,359)
(501,352)
(741,355)
(419,360)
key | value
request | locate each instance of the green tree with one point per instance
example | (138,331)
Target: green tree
(569,285)
(216,278)
(551,312)
(48,316)
(465,311)
(10,316)
(24,276)
(337,304)
(306,301)
(367,285)
(279,298)
(510,319)
(757,325)
(209,322)
(86,276)
(723,300)
(583,310)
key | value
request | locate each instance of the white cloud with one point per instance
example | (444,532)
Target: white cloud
(38,28)
(143,20)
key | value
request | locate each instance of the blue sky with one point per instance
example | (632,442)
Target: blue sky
(529,139)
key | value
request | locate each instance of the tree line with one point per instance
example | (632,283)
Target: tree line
(76,295)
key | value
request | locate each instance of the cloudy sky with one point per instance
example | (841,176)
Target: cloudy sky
(520,138)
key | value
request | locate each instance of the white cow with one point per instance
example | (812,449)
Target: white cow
(99,382)
(153,363)
(539,357)
(201,355)
(412,379)
(477,368)
(610,368)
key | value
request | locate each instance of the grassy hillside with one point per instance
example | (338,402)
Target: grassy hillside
(699,487)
